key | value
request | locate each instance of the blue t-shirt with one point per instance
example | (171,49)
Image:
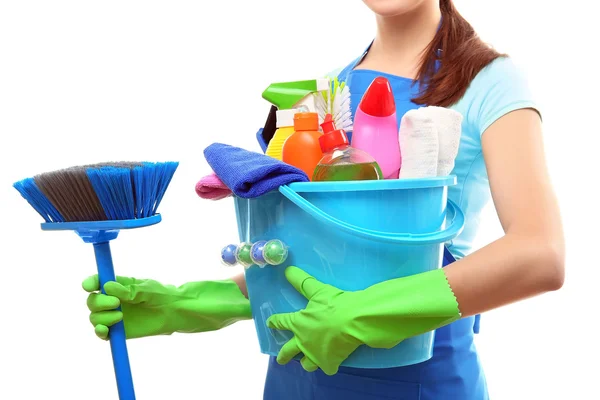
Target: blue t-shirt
(498,89)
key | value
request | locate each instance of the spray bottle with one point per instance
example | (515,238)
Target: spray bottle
(287,95)
(290,98)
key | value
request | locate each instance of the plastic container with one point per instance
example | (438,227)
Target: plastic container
(351,235)
(302,149)
(376,128)
(285,129)
(341,162)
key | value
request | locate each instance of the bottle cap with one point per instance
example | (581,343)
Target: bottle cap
(378,100)
(306,121)
(331,138)
(285,117)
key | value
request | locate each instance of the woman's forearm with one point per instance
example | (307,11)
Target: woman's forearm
(512,268)
(529,259)
(240,280)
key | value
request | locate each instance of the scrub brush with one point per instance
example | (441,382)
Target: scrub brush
(337,103)
(97,201)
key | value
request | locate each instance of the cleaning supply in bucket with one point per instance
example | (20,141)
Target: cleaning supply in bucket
(336,322)
(261,253)
(266,133)
(340,161)
(337,103)
(449,127)
(302,149)
(249,174)
(285,129)
(376,128)
(97,201)
(418,137)
(288,95)
(429,138)
(212,188)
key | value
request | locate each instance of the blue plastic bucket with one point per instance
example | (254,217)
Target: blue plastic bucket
(350,235)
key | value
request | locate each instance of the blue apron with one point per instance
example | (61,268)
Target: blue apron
(454,371)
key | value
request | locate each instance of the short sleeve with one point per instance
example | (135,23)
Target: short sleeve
(498,89)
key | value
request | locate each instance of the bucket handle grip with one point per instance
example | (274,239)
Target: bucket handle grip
(453,229)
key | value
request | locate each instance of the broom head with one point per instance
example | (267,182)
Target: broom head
(98,192)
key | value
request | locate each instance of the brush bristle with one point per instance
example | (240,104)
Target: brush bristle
(97,192)
(38,201)
(337,103)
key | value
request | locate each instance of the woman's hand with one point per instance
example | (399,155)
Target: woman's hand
(321,329)
(337,322)
(103,312)
(150,308)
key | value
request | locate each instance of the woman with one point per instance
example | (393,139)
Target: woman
(500,156)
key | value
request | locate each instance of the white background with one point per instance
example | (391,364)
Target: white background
(84,81)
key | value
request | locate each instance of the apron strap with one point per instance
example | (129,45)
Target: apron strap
(449,258)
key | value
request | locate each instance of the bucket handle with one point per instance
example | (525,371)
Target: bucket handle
(455,227)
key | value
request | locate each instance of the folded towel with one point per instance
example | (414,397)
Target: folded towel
(212,188)
(249,174)
(449,127)
(418,138)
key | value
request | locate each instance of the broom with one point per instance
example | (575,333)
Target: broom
(97,201)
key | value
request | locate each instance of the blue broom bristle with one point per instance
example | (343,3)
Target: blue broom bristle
(37,200)
(123,191)
(129,193)
(114,189)
(153,178)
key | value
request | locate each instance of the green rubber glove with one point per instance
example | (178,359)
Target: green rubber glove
(336,322)
(149,308)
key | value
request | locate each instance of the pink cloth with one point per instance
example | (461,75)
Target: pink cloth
(212,188)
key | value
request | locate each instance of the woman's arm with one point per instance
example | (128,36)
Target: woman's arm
(240,279)
(529,258)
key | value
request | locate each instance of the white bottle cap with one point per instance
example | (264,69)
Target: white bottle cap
(285,117)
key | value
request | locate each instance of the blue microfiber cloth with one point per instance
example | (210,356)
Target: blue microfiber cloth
(249,174)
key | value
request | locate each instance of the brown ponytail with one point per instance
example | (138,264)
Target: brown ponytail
(463,54)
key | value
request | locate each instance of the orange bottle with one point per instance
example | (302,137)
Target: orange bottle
(302,149)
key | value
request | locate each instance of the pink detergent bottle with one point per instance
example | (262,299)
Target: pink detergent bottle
(376,129)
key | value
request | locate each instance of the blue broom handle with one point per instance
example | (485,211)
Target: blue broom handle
(117,337)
